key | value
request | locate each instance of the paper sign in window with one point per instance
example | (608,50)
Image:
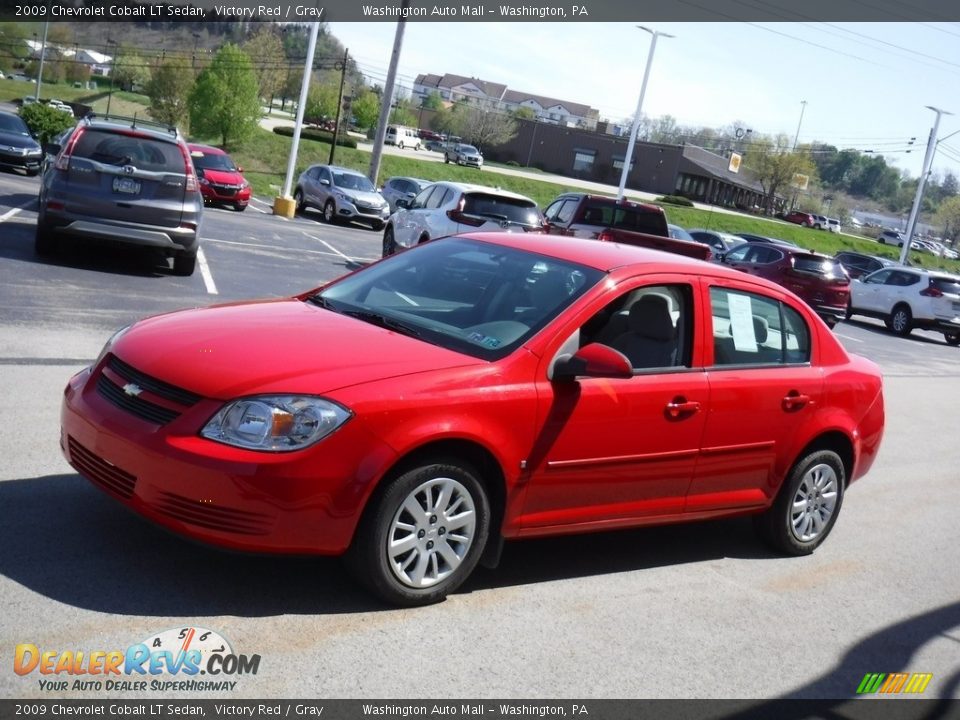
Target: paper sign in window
(741,323)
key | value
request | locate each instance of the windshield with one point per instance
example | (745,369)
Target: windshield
(350,181)
(204,161)
(469,149)
(13,124)
(466,295)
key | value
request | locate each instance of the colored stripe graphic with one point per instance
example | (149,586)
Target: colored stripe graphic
(918,682)
(870,683)
(894,683)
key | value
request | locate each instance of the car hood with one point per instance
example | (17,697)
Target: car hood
(370,198)
(274,346)
(224,177)
(17,140)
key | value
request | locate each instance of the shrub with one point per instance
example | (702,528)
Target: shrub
(675,200)
(46,122)
(512,163)
(318,135)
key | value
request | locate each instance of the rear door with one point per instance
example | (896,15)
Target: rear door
(127,177)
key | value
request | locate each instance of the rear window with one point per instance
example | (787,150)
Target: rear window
(818,266)
(946,285)
(497,207)
(119,149)
(635,219)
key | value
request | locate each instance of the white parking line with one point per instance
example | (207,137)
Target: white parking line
(291,251)
(10,213)
(345,257)
(847,337)
(205,273)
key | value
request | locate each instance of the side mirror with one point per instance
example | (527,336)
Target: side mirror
(403,202)
(51,148)
(239,169)
(324,181)
(593,360)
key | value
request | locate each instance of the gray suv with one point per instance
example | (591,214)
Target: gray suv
(123,180)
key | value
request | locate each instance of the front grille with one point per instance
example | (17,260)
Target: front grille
(112,387)
(100,472)
(213,517)
(227,190)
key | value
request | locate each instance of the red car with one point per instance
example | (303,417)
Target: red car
(818,279)
(800,218)
(220,180)
(417,412)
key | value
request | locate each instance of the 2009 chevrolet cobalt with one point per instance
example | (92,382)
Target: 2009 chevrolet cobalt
(415,413)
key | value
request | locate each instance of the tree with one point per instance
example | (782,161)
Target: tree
(403,113)
(225,99)
(525,112)
(322,100)
(366,108)
(432,101)
(130,70)
(949,217)
(270,64)
(169,91)
(483,127)
(774,165)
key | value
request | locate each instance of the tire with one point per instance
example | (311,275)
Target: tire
(298,200)
(831,322)
(400,144)
(849,313)
(329,212)
(446,160)
(437,516)
(44,241)
(238,207)
(900,320)
(184,264)
(389,244)
(952,338)
(807,506)
(376,226)
(32,173)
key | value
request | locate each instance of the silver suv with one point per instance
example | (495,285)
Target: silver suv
(462,154)
(448,208)
(124,180)
(341,195)
(890,237)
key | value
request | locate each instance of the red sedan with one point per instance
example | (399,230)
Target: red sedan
(220,180)
(415,413)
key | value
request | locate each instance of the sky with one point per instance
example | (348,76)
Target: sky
(866,85)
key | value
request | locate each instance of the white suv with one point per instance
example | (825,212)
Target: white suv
(448,208)
(907,298)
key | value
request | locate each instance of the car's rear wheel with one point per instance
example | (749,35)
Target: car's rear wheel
(389,244)
(952,338)
(807,505)
(184,264)
(329,212)
(422,537)
(901,320)
(849,312)
(44,241)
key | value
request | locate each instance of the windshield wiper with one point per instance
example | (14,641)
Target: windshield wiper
(321,301)
(384,321)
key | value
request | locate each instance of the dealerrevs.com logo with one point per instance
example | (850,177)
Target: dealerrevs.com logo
(173,660)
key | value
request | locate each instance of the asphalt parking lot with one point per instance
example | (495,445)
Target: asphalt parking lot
(688,611)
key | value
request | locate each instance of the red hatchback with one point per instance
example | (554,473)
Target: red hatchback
(800,218)
(415,413)
(220,180)
(819,279)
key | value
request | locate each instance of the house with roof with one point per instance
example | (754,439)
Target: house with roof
(455,88)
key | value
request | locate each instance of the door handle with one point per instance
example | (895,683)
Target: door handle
(795,400)
(680,407)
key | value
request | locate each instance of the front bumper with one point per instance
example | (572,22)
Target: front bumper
(225,193)
(17,161)
(347,210)
(303,502)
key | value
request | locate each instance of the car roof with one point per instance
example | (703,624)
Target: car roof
(159,131)
(605,256)
(470,187)
(206,149)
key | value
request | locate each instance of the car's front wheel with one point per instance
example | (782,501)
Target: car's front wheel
(239,207)
(329,212)
(807,505)
(901,320)
(298,200)
(423,536)
(952,338)
(389,243)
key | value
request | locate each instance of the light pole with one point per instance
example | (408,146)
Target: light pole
(43,52)
(636,118)
(803,106)
(927,162)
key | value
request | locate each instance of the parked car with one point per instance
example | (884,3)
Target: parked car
(402,187)
(857,264)
(462,154)
(820,222)
(402,137)
(833,225)
(342,195)
(18,148)
(449,208)
(890,237)
(819,279)
(942,250)
(720,242)
(604,218)
(906,298)
(60,105)
(800,218)
(435,145)
(123,180)
(416,413)
(221,181)
(679,233)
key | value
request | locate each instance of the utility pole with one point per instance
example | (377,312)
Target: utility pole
(387,100)
(336,127)
(43,52)
(927,162)
(803,106)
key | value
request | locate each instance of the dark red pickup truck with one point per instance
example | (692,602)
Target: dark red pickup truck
(630,223)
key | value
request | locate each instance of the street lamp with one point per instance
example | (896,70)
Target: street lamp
(927,162)
(803,106)
(636,118)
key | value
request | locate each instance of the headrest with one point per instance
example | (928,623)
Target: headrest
(650,317)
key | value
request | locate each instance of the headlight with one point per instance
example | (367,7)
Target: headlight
(275,423)
(109,344)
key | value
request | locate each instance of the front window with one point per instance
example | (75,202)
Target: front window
(466,295)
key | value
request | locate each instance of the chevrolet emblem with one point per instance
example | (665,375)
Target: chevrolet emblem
(132,389)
